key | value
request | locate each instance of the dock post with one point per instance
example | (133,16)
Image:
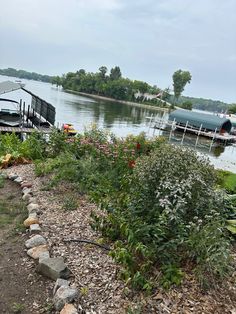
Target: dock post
(172,127)
(28,115)
(186,125)
(198,134)
(150,122)
(213,140)
(20,108)
(23,113)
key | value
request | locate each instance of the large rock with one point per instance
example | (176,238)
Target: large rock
(60,283)
(35,252)
(53,268)
(35,241)
(64,295)
(30,221)
(69,309)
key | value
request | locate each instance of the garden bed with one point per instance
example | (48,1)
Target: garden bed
(95,272)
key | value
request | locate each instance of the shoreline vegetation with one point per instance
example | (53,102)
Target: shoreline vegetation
(130,103)
(117,87)
(163,208)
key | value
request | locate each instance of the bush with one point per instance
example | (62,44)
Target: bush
(171,207)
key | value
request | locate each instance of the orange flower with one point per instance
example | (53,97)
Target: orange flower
(131,163)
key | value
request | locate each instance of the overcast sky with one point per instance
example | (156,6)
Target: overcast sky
(148,39)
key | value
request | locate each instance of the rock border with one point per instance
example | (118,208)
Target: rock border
(51,267)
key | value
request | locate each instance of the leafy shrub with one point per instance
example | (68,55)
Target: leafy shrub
(171,200)
(34,147)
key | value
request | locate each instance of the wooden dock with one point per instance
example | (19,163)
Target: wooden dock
(24,130)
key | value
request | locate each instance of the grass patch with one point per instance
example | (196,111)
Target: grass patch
(1,181)
(12,213)
(227,180)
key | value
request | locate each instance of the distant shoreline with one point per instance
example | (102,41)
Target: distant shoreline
(130,103)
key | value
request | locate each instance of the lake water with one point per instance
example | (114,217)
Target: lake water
(119,118)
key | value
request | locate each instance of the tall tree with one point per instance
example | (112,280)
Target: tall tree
(103,71)
(180,79)
(115,73)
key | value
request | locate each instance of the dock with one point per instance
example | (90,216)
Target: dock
(5,129)
(172,125)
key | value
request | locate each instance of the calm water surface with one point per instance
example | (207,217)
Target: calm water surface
(118,118)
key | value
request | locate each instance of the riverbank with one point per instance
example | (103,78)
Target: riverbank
(129,103)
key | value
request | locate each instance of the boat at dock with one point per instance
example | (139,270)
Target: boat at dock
(200,124)
(23,118)
(9,113)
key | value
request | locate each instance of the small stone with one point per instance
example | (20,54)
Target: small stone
(26,197)
(18,180)
(53,268)
(33,215)
(35,241)
(32,207)
(60,283)
(69,309)
(64,295)
(32,200)
(26,185)
(30,221)
(27,191)
(43,256)
(35,228)
(35,252)
(12,176)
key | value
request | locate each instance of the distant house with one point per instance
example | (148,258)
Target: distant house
(207,122)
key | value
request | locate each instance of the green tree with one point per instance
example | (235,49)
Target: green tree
(187,105)
(232,108)
(180,79)
(103,71)
(56,80)
(140,86)
(115,73)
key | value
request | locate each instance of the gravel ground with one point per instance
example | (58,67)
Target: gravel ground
(94,272)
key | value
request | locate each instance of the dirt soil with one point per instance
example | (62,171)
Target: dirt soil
(22,290)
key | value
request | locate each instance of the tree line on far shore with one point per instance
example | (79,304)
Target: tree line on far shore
(112,84)
(22,74)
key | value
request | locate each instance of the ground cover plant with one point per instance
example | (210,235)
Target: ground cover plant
(164,207)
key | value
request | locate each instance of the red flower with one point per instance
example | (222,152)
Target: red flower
(138,146)
(131,163)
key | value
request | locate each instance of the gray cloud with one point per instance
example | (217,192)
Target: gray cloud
(148,39)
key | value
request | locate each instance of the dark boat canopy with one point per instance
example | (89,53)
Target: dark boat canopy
(197,119)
